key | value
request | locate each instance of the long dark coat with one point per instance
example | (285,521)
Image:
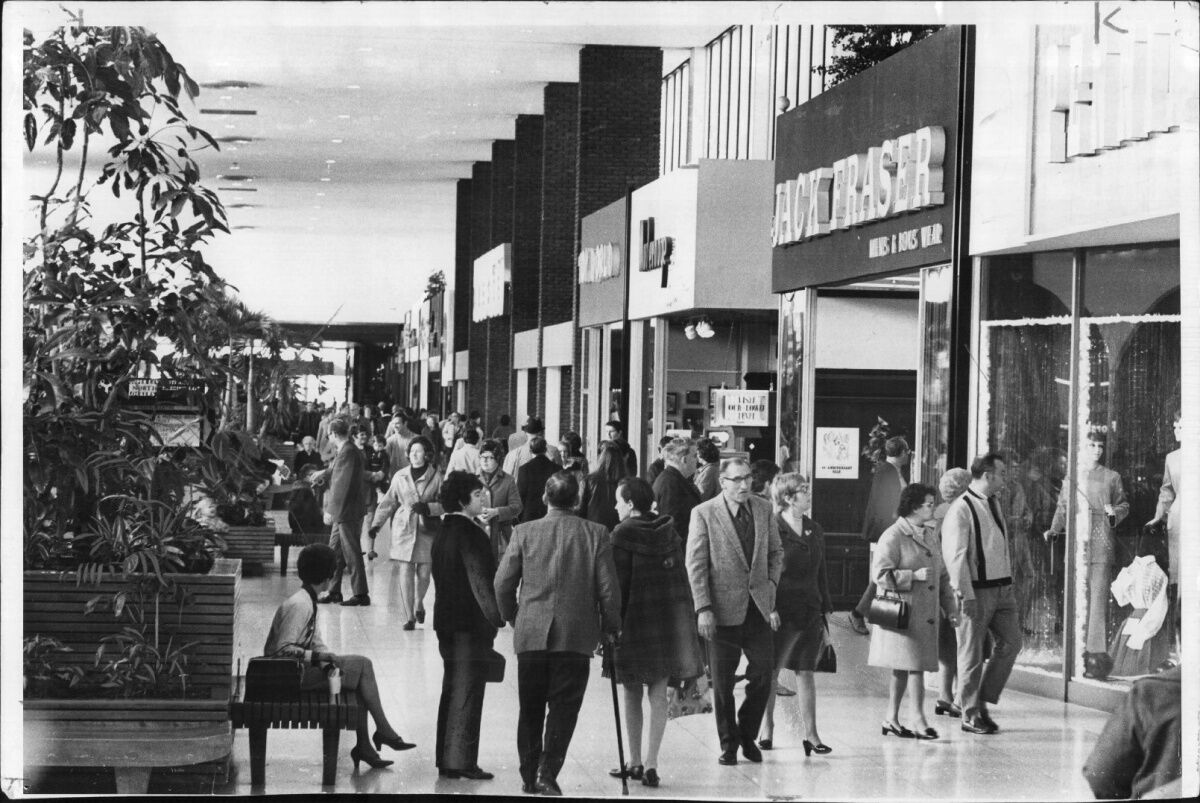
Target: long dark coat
(658,628)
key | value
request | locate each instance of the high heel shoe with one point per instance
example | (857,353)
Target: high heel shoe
(394,742)
(943,708)
(356,755)
(899,730)
(420,616)
(819,749)
(633,773)
(928,733)
(650,778)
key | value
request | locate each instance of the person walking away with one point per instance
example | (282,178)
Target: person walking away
(465,618)
(519,454)
(975,549)
(564,568)
(908,561)
(598,497)
(658,633)
(708,457)
(886,484)
(655,468)
(802,602)
(411,506)
(295,631)
(952,484)
(504,502)
(673,489)
(344,510)
(531,480)
(734,561)
(466,456)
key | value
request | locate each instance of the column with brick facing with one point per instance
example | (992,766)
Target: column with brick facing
(619,110)
(527,231)
(462,271)
(481,241)
(560,157)
(496,399)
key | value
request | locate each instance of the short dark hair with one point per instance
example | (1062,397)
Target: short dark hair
(315,564)
(664,440)
(1098,437)
(420,440)
(984,463)
(895,446)
(505,420)
(537,444)
(457,489)
(637,492)
(617,425)
(491,446)
(708,451)
(471,436)
(340,427)
(912,497)
(572,440)
(562,489)
(761,473)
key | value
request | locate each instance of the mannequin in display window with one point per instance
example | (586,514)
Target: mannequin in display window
(1100,489)
(1171,509)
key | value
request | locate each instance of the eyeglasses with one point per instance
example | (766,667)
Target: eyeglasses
(738,480)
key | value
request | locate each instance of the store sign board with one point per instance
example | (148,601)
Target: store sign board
(865,172)
(655,251)
(836,453)
(492,273)
(740,408)
(600,263)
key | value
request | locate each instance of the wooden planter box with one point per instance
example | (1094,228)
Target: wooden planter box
(255,546)
(134,735)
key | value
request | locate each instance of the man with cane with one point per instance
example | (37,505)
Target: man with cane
(564,567)
(610,668)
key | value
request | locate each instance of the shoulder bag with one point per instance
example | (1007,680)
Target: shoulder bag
(279,676)
(888,610)
(826,657)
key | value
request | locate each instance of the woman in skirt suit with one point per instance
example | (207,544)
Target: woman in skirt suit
(802,601)
(908,561)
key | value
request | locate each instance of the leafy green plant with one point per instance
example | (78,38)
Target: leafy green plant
(138,666)
(859,47)
(45,676)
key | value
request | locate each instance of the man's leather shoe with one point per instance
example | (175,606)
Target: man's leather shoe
(752,753)
(471,774)
(332,596)
(357,599)
(728,758)
(987,720)
(978,724)
(548,786)
(529,787)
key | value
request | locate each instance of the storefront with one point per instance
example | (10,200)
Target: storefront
(702,317)
(601,278)
(872,273)
(1077,326)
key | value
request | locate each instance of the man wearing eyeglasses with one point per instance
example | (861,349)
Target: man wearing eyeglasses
(734,559)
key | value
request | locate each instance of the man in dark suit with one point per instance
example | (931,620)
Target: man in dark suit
(564,567)
(734,560)
(615,431)
(673,489)
(531,480)
(655,468)
(344,509)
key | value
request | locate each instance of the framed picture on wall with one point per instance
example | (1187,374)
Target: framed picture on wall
(672,424)
(672,403)
(694,418)
(692,398)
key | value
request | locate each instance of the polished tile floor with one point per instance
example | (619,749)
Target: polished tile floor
(1037,755)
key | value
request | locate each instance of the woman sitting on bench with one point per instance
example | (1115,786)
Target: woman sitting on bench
(295,624)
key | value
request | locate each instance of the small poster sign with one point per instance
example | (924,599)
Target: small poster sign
(837,453)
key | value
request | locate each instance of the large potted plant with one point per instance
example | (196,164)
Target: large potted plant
(128,634)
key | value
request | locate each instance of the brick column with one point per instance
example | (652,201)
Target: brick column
(527,230)
(619,97)
(462,268)
(481,241)
(496,398)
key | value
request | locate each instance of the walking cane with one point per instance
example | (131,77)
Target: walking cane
(612,676)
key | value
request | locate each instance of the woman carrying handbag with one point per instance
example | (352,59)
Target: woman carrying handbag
(908,563)
(802,601)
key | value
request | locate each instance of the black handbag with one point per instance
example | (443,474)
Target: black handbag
(495,667)
(279,676)
(826,657)
(888,610)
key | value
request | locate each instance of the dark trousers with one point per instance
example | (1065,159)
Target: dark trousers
(344,539)
(754,637)
(550,687)
(464,674)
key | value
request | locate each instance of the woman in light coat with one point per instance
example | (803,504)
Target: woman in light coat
(908,561)
(411,504)
(504,501)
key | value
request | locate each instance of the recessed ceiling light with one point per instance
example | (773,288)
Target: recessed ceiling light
(320,195)
(353,86)
(343,117)
(330,162)
(233,147)
(227,97)
(230,125)
(365,49)
(325,178)
(336,141)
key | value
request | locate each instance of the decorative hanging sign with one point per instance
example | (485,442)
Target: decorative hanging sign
(740,408)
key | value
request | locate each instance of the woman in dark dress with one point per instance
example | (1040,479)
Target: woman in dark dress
(802,601)
(465,618)
(658,629)
(598,496)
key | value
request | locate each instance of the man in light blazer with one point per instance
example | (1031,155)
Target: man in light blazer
(345,507)
(734,559)
(564,566)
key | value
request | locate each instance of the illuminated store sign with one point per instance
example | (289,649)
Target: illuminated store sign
(491,275)
(899,175)
(656,253)
(599,262)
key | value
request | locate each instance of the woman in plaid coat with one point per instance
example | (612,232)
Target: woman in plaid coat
(659,644)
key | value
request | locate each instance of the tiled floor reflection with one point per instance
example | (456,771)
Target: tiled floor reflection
(1037,755)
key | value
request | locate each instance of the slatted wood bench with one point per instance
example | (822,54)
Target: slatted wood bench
(309,710)
(286,539)
(254,545)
